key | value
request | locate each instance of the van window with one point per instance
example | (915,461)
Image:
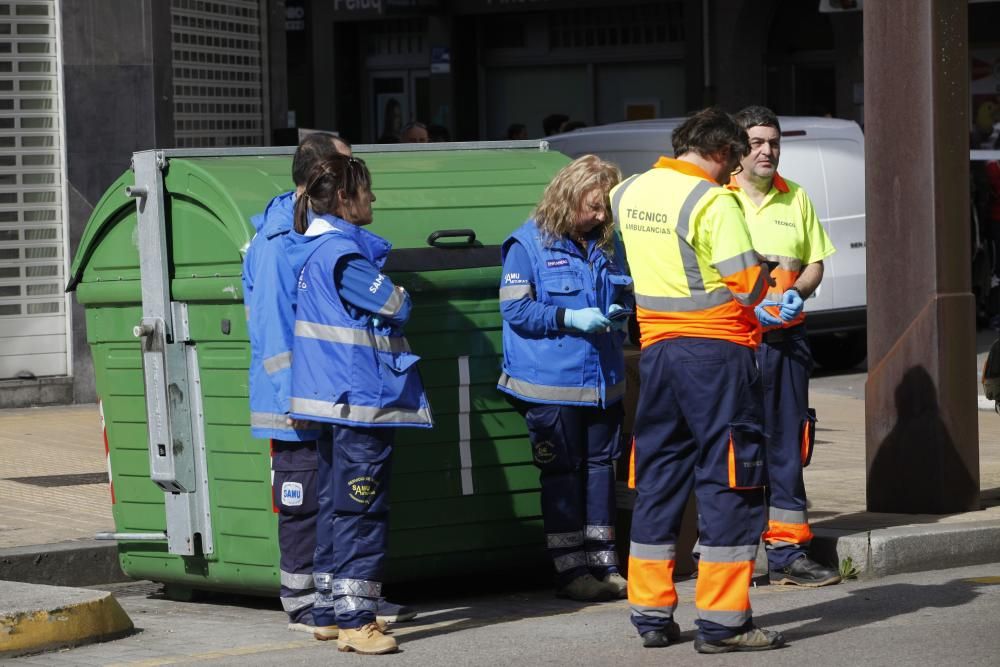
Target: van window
(844,164)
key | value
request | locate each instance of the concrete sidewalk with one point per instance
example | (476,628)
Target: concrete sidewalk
(53,482)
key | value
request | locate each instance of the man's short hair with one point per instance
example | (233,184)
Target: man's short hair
(316,148)
(708,132)
(755,115)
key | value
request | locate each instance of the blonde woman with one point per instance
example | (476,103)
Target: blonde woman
(565,300)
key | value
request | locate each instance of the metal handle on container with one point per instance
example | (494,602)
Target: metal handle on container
(469,234)
(133,537)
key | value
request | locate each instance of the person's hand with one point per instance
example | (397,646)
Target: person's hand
(791,305)
(588,320)
(619,324)
(765,317)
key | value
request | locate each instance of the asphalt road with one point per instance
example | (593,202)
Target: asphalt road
(944,617)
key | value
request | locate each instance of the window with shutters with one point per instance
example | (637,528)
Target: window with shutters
(218,73)
(33,314)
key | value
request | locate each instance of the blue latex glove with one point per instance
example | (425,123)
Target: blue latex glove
(791,305)
(765,317)
(588,320)
(620,324)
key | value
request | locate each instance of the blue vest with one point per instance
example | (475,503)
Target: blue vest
(346,371)
(567,367)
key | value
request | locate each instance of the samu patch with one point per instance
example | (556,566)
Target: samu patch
(552,263)
(291,494)
(363,489)
(543,452)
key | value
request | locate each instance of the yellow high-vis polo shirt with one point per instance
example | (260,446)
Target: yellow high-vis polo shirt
(786,230)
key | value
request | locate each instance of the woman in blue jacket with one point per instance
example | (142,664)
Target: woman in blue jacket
(565,298)
(351,367)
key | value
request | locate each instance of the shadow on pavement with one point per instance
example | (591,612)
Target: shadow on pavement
(869,605)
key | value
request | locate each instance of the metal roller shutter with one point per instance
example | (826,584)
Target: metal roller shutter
(218,65)
(33,312)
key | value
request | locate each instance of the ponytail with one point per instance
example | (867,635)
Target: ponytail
(301,216)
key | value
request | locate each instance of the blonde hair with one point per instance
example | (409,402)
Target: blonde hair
(556,213)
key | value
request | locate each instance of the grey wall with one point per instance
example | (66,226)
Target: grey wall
(117,83)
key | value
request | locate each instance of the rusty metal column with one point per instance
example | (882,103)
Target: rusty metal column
(921,413)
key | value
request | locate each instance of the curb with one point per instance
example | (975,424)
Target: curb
(36,618)
(78,563)
(913,548)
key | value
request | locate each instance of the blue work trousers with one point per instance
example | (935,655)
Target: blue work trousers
(293,487)
(574,448)
(785,362)
(698,423)
(353,525)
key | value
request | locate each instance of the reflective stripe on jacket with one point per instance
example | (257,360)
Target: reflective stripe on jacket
(270,272)
(695,270)
(347,371)
(545,364)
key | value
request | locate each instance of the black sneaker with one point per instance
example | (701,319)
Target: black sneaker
(805,572)
(665,636)
(754,639)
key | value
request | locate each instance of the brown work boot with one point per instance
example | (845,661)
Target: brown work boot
(323,632)
(328,632)
(585,588)
(367,640)
(754,639)
(617,584)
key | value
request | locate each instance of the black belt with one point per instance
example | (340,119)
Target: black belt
(782,335)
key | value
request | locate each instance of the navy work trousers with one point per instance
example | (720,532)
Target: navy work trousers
(293,488)
(698,423)
(352,525)
(574,449)
(785,365)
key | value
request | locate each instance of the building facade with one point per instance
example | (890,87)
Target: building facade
(85,83)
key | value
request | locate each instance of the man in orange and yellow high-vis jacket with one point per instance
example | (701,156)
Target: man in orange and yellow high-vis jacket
(786,231)
(698,421)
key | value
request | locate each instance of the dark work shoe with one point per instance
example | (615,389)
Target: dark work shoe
(586,588)
(665,636)
(805,572)
(754,639)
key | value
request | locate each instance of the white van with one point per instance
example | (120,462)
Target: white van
(823,155)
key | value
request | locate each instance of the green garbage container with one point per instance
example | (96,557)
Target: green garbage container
(158,272)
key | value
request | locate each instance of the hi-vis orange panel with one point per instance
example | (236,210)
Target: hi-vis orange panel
(730,321)
(631,465)
(783,280)
(807,438)
(791,533)
(722,586)
(651,582)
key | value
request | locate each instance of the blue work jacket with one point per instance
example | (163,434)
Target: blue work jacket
(270,273)
(347,370)
(544,362)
